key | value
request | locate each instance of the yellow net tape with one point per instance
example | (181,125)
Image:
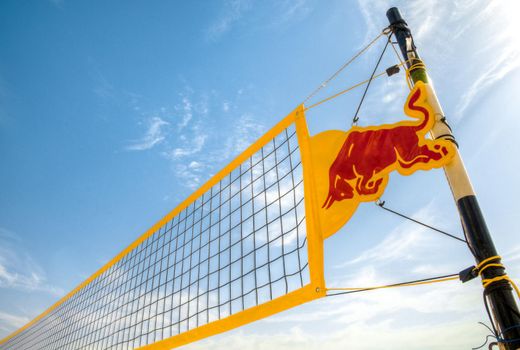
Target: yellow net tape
(242,247)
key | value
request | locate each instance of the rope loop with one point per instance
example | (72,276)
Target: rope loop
(495,261)
(415,64)
(387,30)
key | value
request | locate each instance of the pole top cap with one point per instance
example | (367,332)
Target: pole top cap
(394,16)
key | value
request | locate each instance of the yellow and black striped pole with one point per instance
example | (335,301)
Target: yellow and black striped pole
(497,286)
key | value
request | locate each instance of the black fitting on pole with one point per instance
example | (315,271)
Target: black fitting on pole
(404,38)
(503,307)
(402,33)
(394,16)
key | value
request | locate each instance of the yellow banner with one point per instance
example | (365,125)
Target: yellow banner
(354,166)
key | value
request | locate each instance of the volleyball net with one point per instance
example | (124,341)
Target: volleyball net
(242,247)
(249,242)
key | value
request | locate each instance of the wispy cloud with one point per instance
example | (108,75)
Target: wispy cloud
(291,11)
(491,73)
(8,321)
(153,136)
(447,31)
(245,131)
(103,88)
(193,165)
(178,132)
(18,270)
(192,145)
(350,321)
(186,134)
(225,106)
(187,112)
(503,46)
(191,174)
(406,242)
(197,147)
(232,13)
(513,255)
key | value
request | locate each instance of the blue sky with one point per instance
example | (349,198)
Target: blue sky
(112,112)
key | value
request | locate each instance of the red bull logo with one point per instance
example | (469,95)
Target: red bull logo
(360,160)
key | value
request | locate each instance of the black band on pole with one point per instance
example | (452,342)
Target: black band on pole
(503,304)
(504,309)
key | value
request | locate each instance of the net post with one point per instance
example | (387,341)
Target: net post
(503,305)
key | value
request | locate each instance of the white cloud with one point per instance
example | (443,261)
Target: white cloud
(477,34)
(188,109)
(187,112)
(225,106)
(388,333)
(245,131)
(8,235)
(503,47)
(103,89)
(177,133)
(195,165)
(192,161)
(193,146)
(493,72)
(233,12)
(406,242)
(153,136)
(291,10)
(513,254)
(385,303)
(8,321)
(190,176)
(18,270)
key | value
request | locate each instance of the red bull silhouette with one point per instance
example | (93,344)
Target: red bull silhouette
(369,154)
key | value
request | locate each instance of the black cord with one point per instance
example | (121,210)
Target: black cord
(485,342)
(356,118)
(381,204)
(489,328)
(393,285)
(489,313)
(492,344)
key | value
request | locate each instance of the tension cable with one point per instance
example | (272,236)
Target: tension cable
(346,64)
(356,118)
(389,72)
(431,280)
(381,204)
(345,90)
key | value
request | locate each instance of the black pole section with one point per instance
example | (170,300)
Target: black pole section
(499,294)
